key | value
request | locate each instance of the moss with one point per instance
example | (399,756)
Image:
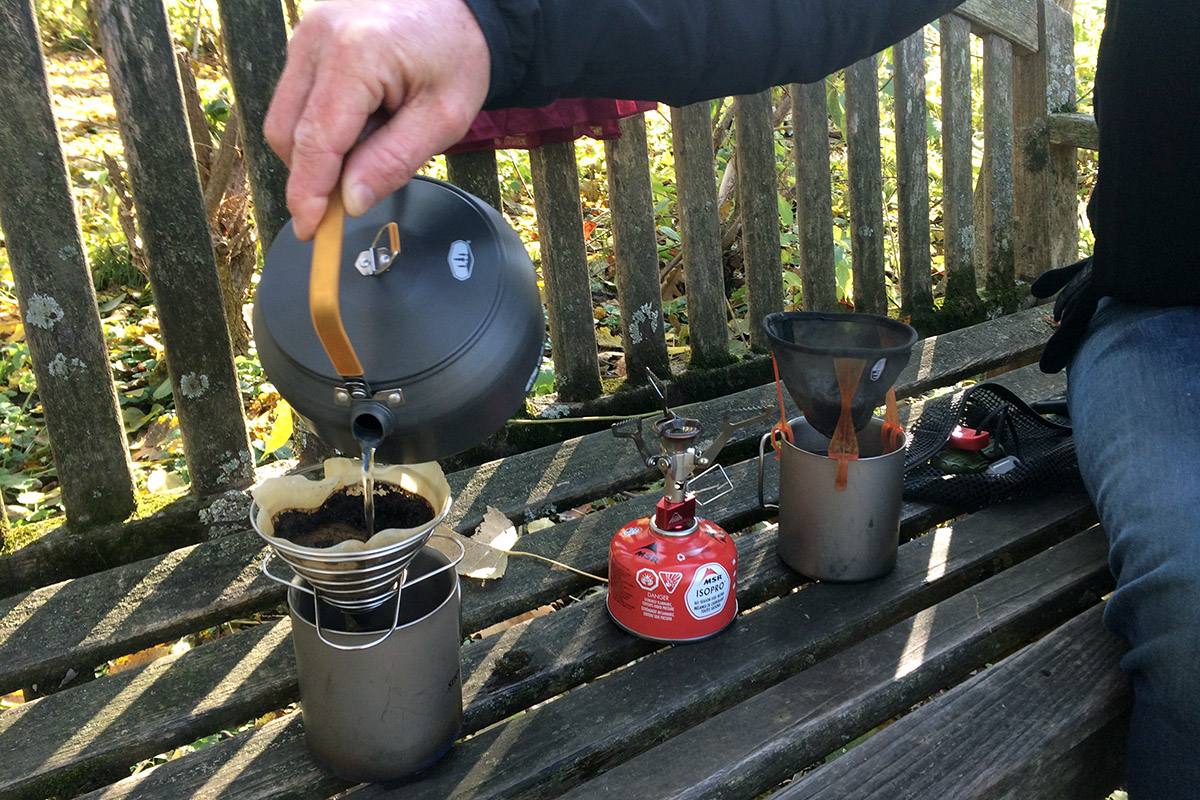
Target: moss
(148,504)
(18,536)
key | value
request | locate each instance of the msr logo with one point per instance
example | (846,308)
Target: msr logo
(648,552)
(461,259)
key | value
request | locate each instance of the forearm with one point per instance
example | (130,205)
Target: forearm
(681,51)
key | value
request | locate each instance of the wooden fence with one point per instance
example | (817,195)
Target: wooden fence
(1018,220)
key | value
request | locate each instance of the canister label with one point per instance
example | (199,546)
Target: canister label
(672,588)
(708,591)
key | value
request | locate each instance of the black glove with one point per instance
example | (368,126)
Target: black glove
(1073,310)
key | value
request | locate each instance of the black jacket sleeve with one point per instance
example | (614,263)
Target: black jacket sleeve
(681,51)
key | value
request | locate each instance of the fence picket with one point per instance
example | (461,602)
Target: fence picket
(700,231)
(565,270)
(997,205)
(757,202)
(54,287)
(255,41)
(635,250)
(476,173)
(814,197)
(957,198)
(183,271)
(866,186)
(912,176)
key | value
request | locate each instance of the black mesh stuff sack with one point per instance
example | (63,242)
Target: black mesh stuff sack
(1027,453)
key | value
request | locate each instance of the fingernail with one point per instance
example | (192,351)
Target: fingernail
(359,200)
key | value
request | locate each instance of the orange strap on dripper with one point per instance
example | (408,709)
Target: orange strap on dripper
(781,431)
(844,444)
(892,433)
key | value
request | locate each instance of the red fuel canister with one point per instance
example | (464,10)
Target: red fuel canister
(673,576)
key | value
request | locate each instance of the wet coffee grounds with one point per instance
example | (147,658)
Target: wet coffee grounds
(340,517)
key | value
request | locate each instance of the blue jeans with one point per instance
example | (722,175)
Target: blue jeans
(1134,395)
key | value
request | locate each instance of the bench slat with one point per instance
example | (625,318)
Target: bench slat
(1009,723)
(707,676)
(753,747)
(550,670)
(96,731)
(553,747)
(83,622)
(503,674)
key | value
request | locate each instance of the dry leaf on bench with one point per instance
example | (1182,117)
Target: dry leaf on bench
(486,553)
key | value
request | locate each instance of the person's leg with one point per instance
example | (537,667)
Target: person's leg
(1134,394)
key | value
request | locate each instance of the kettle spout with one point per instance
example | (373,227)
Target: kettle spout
(371,422)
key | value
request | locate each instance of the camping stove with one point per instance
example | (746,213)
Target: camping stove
(673,576)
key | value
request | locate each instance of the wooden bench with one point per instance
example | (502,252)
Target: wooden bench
(980,663)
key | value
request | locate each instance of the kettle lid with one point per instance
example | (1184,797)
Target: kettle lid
(436,297)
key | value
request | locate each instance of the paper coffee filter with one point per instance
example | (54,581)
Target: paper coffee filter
(298,492)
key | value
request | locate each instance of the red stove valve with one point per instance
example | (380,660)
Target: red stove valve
(968,439)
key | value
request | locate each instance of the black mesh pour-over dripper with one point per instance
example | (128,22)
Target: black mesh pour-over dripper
(805,345)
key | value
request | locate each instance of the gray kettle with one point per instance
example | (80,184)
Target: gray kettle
(416,329)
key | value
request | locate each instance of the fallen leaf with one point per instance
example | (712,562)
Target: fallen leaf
(486,553)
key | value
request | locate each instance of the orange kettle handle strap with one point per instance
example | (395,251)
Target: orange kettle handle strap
(323,301)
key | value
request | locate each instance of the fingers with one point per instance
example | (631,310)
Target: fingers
(424,60)
(388,159)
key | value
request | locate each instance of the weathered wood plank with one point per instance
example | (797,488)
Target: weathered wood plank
(957,201)
(814,197)
(758,744)
(183,271)
(690,683)
(865,173)
(1046,208)
(90,735)
(1015,20)
(72,626)
(998,166)
(565,270)
(1074,130)
(54,286)
(635,251)
(1011,723)
(912,177)
(551,653)
(758,208)
(63,554)
(546,751)
(255,47)
(700,232)
(476,173)
(1061,96)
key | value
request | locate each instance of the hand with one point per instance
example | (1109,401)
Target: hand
(1073,310)
(425,63)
